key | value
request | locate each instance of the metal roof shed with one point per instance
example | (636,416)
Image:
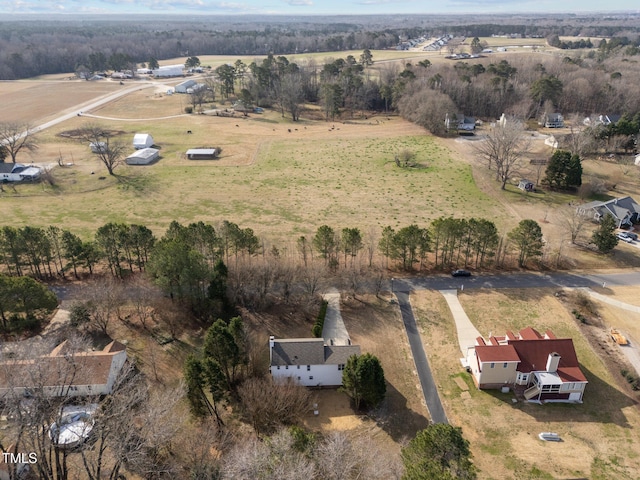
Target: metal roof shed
(143,157)
(202,154)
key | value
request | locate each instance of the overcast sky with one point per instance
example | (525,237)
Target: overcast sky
(313,7)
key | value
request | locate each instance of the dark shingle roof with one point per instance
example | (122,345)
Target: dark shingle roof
(310,351)
(339,354)
(298,351)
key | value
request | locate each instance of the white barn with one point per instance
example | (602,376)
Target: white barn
(309,361)
(169,71)
(144,156)
(182,87)
(142,140)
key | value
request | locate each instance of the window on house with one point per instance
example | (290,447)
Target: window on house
(493,365)
(278,367)
(341,366)
(311,377)
(298,367)
(286,367)
(504,365)
(308,368)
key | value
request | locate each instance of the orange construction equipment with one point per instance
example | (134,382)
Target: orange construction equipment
(618,337)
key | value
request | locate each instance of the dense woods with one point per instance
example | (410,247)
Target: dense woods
(36,46)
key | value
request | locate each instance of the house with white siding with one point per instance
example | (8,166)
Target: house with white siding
(64,373)
(312,362)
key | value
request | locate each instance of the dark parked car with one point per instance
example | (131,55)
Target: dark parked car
(461,273)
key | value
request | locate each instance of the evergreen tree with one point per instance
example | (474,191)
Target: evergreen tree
(604,237)
(363,380)
(563,170)
(438,452)
(527,237)
(324,241)
(195,385)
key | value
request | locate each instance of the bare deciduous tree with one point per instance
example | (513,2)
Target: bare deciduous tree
(133,430)
(109,151)
(15,137)
(269,403)
(573,222)
(104,300)
(342,458)
(504,148)
(275,458)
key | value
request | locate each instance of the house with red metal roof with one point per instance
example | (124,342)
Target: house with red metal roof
(547,365)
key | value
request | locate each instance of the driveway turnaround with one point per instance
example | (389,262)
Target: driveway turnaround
(429,389)
(467,333)
(334,331)
(611,301)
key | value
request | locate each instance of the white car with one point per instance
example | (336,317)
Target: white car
(624,237)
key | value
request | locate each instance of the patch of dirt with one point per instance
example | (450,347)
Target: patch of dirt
(78,134)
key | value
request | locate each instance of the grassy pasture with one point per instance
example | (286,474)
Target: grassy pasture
(601,439)
(278,182)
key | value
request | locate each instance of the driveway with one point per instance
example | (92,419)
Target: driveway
(467,332)
(334,331)
(429,388)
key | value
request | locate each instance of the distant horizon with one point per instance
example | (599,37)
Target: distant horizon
(311,8)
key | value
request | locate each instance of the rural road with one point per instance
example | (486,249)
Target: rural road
(429,388)
(519,280)
(78,109)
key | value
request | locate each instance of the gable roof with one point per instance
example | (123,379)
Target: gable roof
(531,350)
(297,351)
(60,368)
(310,351)
(497,353)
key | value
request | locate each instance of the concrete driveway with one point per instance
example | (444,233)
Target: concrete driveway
(334,331)
(467,332)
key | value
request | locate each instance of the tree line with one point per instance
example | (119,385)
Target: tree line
(582,85)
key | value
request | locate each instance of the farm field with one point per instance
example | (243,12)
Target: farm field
(276,181)
(600,436)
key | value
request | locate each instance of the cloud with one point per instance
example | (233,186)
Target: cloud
(300,3)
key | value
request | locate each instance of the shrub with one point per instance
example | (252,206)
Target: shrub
(316,330)
(188,109)
(79,314)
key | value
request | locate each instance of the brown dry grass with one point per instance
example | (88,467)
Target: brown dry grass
(36,101)
(600,436)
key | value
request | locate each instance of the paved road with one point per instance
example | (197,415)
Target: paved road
(517,280)
(429,389)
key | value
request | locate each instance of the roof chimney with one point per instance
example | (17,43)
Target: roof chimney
(552,362)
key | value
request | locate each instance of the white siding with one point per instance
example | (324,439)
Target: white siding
(315,376)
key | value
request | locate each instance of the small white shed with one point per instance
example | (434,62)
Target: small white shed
(142,140)
(143,157)
(98,147)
